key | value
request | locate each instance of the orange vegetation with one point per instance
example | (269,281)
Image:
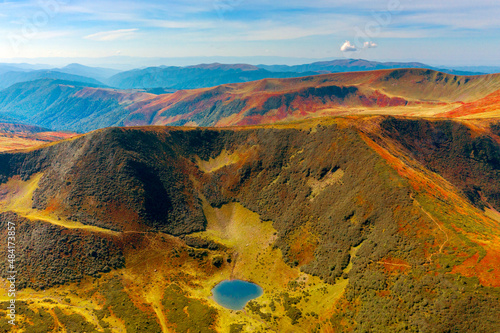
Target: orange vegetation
(394,265)
(17,141)
(490,103)
(303,245)
(487,269)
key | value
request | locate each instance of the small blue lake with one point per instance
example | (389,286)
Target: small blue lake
(235,294)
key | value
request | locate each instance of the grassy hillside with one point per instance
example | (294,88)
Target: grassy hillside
(348,224)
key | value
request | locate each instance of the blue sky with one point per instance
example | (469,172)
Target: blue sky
(438,32)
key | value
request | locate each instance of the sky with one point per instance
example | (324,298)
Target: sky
(436,32)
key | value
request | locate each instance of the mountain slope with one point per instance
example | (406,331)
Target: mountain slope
(346,223)
(487,107)
(66,105)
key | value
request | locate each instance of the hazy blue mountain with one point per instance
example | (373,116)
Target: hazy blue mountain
(97,73)
(5,68)
(26,67)
(130,63)
(193,77)
(357,65)
(482,69)
(9,78)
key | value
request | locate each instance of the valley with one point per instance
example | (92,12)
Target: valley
(16,137)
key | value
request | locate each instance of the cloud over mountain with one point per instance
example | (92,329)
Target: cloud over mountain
(370,45)
(348,47)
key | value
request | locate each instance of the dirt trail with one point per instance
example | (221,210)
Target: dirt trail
(235,258)
(437,224)
(388,263)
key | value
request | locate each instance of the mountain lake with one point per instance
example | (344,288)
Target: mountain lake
(235,294)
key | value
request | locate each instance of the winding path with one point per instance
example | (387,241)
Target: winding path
(437,224)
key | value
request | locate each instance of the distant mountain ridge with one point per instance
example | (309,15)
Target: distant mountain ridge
(216,65)
(97,73)
(22,67)
(5,68)
(358,65)
(10,78)
(194,77)
(209,75)
(167,78)
(482,69)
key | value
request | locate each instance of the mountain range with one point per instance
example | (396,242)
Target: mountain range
(193,77)
(409,92)
(359,201)
(82,107)
(199,76)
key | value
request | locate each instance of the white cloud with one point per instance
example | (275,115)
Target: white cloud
(348,47)
(369,45)
(106,36)
(170,24)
